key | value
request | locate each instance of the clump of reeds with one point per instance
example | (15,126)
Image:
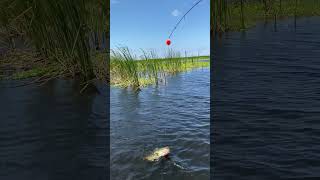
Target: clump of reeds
(65,31)
(235,15)
(220,16)
(128,71)
(124,65)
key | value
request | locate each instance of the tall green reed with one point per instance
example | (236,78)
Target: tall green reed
(61,30)
(126,70)
(242,14)
(220,16)
(234,15)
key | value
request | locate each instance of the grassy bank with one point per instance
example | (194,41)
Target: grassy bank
(243,14)
(127,71)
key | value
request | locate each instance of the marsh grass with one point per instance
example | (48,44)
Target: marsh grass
(127,71)
(240,15)
(123,64)
(65,33)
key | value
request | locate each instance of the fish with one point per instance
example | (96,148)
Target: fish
(157,154)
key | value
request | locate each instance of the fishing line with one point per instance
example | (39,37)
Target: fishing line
(175,27)
(177,165)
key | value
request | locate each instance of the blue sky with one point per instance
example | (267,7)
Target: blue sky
(147,24)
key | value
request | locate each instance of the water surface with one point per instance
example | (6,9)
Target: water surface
(52,132)
(174,115)
(266,102)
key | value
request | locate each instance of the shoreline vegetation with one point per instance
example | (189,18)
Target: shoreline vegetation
(53,39)
(127,71)
(231,15)
(22,64)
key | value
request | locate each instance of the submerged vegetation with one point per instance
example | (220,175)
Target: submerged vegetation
(127,71)
(66,37)
(235,15)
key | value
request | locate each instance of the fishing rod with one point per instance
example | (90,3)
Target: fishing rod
(175,27)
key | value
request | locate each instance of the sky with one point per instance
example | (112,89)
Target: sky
(147,24)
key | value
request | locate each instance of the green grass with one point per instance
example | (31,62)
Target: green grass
(127,71)
(60,30)
(229,18)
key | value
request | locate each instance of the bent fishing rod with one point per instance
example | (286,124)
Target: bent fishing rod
(175,27)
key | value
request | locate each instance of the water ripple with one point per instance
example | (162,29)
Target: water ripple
(176,115)
(266,103)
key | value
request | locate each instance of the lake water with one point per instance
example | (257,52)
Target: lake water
(266,102)
(52,132)
(174,115)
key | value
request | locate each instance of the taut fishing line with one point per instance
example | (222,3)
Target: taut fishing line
(168,42)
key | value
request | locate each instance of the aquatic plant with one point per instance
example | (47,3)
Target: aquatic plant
(67,32)
(220,15)
(241,14)
(225,13)
(126,70)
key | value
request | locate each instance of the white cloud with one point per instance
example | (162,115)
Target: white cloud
(175,12)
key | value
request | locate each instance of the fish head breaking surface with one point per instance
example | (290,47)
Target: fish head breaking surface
(158,153)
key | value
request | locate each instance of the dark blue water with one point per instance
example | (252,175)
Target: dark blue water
(52,132)
(174,115)
(266,102)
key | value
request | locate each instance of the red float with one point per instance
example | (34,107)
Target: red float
(168,42)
